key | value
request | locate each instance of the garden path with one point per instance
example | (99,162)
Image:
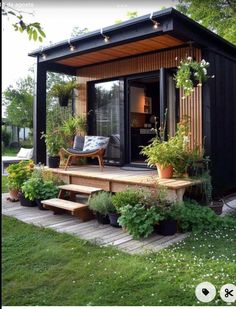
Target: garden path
(103,235)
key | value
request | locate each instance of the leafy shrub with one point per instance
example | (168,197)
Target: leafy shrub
(132,197)
(193,217)
(18,173)
(6,136)
(138,219)
(102,203)
(36,189)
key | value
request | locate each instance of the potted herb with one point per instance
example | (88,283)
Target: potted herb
(18,173)
(63,91)
(190,74)
(101,204)
(54,142)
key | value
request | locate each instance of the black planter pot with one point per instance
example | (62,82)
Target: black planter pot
(54,162)
(63,101)
(217,206)
(113,219)
(25,201)
(167,227)
(103,219)
(40,206)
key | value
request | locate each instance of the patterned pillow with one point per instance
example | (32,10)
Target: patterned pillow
(25,153)
(95,142)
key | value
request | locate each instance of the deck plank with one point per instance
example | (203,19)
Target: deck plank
(92,231)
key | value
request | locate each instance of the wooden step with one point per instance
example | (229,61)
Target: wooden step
(80,189)
(62,206)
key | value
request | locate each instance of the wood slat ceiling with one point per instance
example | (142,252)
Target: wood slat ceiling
(124,50)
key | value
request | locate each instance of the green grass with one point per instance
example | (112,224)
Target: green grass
(4,184)
(10,152)
(43,267)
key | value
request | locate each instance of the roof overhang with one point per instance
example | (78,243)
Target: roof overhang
(134,37)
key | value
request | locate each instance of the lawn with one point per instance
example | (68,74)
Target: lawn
(4,184)
(43,267)
(10,152)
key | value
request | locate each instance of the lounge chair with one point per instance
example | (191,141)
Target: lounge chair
(87,147)
(23,154)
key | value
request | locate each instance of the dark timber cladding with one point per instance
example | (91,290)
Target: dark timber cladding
(219,119)
(136,48)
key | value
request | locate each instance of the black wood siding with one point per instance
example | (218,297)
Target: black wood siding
(219,121)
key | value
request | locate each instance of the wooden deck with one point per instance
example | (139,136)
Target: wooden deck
(104,235)
(115,179)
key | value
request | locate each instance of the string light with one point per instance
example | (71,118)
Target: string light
(43,55)
(71,47)
(155,23)
(105,37)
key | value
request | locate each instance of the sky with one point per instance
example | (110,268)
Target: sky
(58,18)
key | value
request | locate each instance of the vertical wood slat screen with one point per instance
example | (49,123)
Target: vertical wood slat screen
(191,106)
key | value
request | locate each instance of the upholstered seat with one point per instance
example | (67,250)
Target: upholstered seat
(88,146)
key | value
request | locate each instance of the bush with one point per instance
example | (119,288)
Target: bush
(18,173)
(102,203)
(193,217)
(138,219)
(132,197)
(6,136)
(36,189)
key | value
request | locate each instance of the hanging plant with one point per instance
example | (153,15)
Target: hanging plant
(191,74)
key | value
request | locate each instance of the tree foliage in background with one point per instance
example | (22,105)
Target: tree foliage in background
(18,101)
(34,30)
(217,15)
(76,31)
(129,14)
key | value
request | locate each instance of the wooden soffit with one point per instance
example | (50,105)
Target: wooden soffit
(123,50)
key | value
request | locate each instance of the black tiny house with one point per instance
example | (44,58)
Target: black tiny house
(128,79)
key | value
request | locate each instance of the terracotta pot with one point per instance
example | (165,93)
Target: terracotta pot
(14,194)
(166,172)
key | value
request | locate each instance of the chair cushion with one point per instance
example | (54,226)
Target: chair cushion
(25,153)
(95,142)
(74,151)
(78,142)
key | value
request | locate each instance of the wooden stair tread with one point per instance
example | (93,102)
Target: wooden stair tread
(79,188)
(64,204)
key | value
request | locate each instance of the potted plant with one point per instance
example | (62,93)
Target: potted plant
(190,74)
(54,142)
(74,125)
(18,173)
(101,203)
(167,226)
(42,185)
(171,155)
(63,91)
(37,190)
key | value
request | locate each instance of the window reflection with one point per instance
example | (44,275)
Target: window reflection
(107,116)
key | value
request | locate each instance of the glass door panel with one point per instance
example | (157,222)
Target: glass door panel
(106,116)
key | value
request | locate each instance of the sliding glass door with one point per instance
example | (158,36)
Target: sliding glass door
(106,112)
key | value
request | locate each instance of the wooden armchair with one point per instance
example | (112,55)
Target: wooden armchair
(87,147)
